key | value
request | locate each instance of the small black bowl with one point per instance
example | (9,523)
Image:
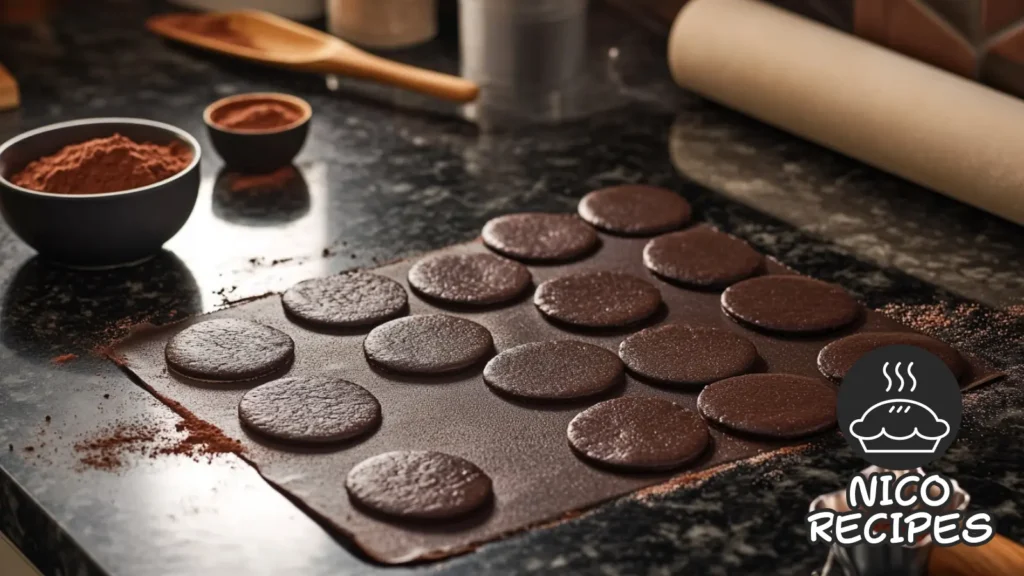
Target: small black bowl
(97,230)
(261,150)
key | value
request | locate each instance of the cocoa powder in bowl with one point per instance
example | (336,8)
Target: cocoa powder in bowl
(259,132)
(257,114)
(112,164)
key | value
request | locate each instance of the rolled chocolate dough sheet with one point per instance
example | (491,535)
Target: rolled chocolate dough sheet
(927,125)
(537,476)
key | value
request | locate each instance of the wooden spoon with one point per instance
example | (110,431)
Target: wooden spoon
(8,90)
(999,557)
(263,37)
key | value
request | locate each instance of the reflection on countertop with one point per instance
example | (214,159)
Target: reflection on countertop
(874,216)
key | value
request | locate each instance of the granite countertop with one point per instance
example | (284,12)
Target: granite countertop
(384,177)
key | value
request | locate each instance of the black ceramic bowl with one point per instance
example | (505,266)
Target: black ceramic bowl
(258,150)
(97,230)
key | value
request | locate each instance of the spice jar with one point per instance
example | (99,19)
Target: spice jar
(383,23)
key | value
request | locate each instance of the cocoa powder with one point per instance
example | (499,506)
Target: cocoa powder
(202,438)
(63,358)
(102,165)
(107,450)
(263,114)
(109,447)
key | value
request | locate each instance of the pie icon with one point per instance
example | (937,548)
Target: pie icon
(899,426)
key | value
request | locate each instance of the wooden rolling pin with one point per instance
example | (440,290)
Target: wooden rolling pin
(999,557)
(927,125)
(268,39)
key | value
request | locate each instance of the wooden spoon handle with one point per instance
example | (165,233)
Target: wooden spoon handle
(8,90)
(359,64)
(999,557)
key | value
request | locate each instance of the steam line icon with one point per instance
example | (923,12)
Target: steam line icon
(910,373)
(899,425)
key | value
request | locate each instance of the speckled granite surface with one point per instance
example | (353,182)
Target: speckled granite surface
(383,180)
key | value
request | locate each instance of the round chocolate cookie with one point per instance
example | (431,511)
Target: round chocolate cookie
(790,303)
(557,370)
(310,409)
(602,299)
(638,433)
(229,349)
(677,354)
(702,257)
(345,300)
(419,485)
(838,357)
(539,237)
(635,210)
(476,279)
(428,344)
(770,405)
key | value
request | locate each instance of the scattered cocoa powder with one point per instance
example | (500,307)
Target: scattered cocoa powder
(256,114)
(63,358)
(107,351)
(922,317)
(192,437)
(201,436)
(102,165)
(960,322)
(107,450)
(272,181)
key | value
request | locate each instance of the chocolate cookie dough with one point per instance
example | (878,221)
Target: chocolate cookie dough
(838,357)
(603,299)
(347,300)
(229,349)
(702,257)
(428,344)
(638,433)
(419,485)
(790,303)
(684,355)
(556,370)
(635,210)
(539,237)
(310,410)
(770,405)
(475,279)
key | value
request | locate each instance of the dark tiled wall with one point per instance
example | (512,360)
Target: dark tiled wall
(981,39)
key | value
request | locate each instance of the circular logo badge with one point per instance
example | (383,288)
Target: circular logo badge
(899,407)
